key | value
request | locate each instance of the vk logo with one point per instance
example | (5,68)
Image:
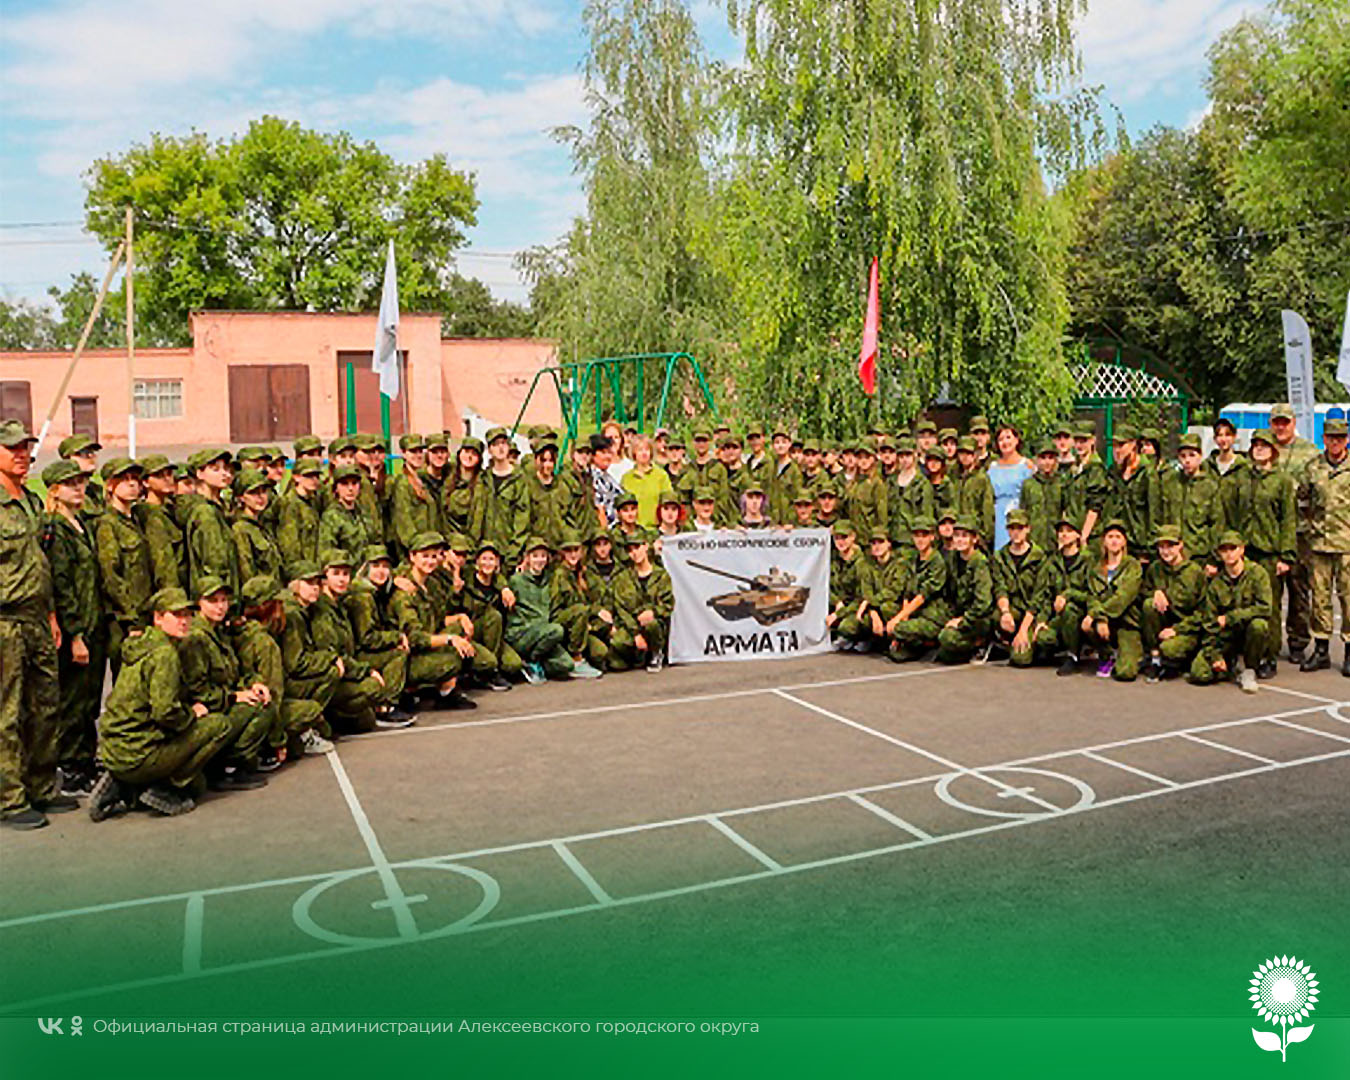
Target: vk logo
(51,1026)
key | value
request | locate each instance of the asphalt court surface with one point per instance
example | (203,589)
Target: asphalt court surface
(635,794)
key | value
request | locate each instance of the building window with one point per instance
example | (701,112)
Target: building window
(159,398)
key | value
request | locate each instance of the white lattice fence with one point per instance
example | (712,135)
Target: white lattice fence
(1115,381)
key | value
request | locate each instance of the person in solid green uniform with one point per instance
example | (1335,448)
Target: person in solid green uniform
(153,745)
(83,655)
(155,514)
(125,569)
(1112,620)
(258,551)
(782,477)
(643,603)
(918,624)
(1236,618)
(972,595)
(1170,599)
(1016,570)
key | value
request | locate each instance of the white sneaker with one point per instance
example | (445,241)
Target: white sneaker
(581,669)
(1247,681)
(314,743)
(534,674)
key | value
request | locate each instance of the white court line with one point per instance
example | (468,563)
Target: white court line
(193,913)
(1228,749)
(654,703)
(1130,768)
(954,766)
(886,815)
(742,843)
(1311,730)
(582,874)
(520,920)
(1299,693)
(398,901)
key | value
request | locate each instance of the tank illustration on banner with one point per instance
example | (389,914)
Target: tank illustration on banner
(766,598)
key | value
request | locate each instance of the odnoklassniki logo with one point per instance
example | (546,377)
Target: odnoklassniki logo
(1285,990)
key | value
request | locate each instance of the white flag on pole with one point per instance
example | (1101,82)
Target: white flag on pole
(1298,369)
(1343,365)
(385,360)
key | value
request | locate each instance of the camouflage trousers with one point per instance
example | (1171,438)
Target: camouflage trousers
(1298,587)
(914,636)
(957,644)
(1236,639)
(1177,651)
(1126,643)
(181,758)
(1279,585)
(1330,572)
(81,699)
(582,640)
(545,644)
(1039,646)
(489,631)
(29,734)
(623,650)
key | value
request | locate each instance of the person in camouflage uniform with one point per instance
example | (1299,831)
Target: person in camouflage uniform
(1112,619)
(344,525)
(377,637)
(944,487)
(643,603)
(867,499)
(909,496)
(464,498)
(298,514)
(83,451)
(1236,617)
(918,624)
(575,590)
(436,656)
(1087,486)
(782,479)
(974,491)
(1228,467)
(487,599)
(413,507)
(1043,496)
(1325,491)
(210,544)
(125,568)
(972,594)
(83,655)
(847,565)
(373,498)
(258,552)
(828,513)
(882,580)
(705,471)
(1132,493)
(1268,514)
(530,629)
(550,496)
(154,747)
(506,518)
(1295,452)
(1193,503)
(312,674)
(155,514)
(1016,571)
(1064,596)
(213,676)
(1170,617)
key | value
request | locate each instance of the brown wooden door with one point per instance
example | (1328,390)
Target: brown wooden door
(367,385)
(16,403)
(84,416)
(268,402)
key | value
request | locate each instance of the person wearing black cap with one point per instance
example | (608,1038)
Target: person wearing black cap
(125,570)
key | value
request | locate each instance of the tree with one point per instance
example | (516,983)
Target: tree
(278,218)
(470,310)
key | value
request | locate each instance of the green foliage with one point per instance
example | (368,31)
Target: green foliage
(470,310)
(278,218)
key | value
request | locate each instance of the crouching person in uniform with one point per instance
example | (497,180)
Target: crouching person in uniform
(1236,618)
(1063,594)
(1112,619)
(436,655)
(152,745)
(972,592)
(643,602)
(919,622)
(1170,618)
(530,631)
(847,567)
(575,588)
(1016,570)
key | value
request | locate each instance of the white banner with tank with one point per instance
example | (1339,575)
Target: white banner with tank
(753,594)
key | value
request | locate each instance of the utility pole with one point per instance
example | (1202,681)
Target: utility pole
(131,341)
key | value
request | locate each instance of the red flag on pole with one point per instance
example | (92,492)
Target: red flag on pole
(867,359)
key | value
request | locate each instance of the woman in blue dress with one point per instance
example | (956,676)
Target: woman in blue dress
(1006,474)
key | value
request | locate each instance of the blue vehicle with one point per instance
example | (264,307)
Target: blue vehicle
(1248,418)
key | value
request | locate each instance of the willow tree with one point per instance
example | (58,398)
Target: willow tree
(914,131)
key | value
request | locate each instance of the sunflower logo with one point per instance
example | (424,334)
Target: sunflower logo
(1283,989)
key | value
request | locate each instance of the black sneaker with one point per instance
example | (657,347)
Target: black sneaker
(76,780)
(268,761)
(1267,669)
(457,700)
(106,798)
(398,714)
(656,662)
(498,682)
(57,804)
(235,778)
(394,718)
(1152,672)
(163,799)
(1068,667)
(27,818)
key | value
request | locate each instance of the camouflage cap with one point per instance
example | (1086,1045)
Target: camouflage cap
(329,557)
(1062,428)
(934,452)
(1085,429)
(304,570)
(58,472)
(906,446)
(978,424)
(437,440)
(251,480)
(182,471)
(120,466)
(865,449)
(1282,411)
(636,537)
(472,443)
(966,445)
(780,429)
(1230,538)
(275,453)
(1264,435)
(103,469)
(1167,534)
(1189,441)
(626,499)
(675,442)
(1116,525)
(153,463)
(702,433)
(488,545)
(1334,426)
(307,444)
(803,496)
(427,539)
(375,553)
(534,543)
(843,527)
(459,543)
(598,536)
(568,538)
(1124,433)
(1047,449)
(1151,434)
(411,441)
(728,440)
(346,472)
(77,444)
(755,488)
(1017,516)
(342,443)
(259,590)
(878,534)
(966,523)
(210,585)
(924,523)
(366,440)
(925,427)
(307,467)
(827,489)
(704,494)
(13,433)
(670,497)
(1066,522)
(497,433)
(755,427)
(251,453)
(170,599)
(209,456)
(948,433)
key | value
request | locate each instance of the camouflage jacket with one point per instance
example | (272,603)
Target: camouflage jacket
(124,568)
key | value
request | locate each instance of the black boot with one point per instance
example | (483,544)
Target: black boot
(1345,664)
(1319,659)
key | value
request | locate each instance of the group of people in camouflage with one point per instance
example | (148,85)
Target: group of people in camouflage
(253,607)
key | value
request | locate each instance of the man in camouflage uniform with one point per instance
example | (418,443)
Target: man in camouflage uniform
(1016,572)
(867,498)
(1236,616)
(883,579)
(1170,617)
(909,494)
(1193,503)
(1087,486)
(125,567)
(1132,493)
(972,594)
(1295,452)
(1064,593)
(1325,491)
(782,478)
(506,521)
(155,515)
(916,627)
(1043,496)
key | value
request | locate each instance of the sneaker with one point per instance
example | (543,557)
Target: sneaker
(1267,669)
(457,700)
(234,778)
(498,682)
(582,670)
(107,797)
(312,743)
(57,804)
(269,761)
(164,800)
(393,719)
(1105,668)
(1152,672)
(27,818)
(1247,681)
(656,662)
(1068,666)
(534,674)
(76,780)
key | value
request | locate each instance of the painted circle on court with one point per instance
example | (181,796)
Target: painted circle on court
(1086,796)
(300,910)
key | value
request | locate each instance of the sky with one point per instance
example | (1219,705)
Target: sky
(483,81)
